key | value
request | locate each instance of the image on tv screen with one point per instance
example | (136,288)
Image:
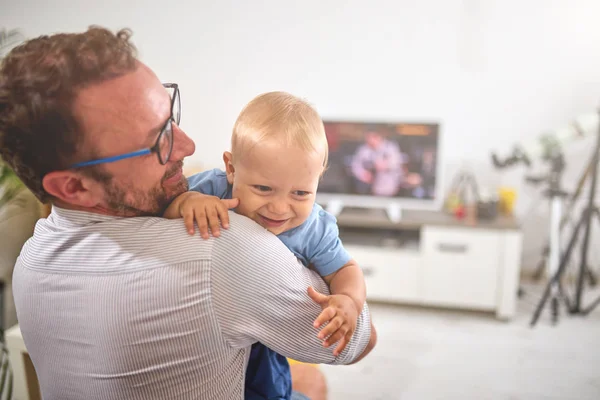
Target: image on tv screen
(380,159)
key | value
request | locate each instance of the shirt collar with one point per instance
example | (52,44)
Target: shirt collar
(64,217)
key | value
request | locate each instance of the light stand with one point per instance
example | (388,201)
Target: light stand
(551,153)
(556,194)
(583,223)
(542,264)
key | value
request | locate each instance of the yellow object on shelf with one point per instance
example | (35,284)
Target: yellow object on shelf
(507,198)
(452,202)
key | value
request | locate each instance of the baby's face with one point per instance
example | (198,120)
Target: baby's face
(276,186)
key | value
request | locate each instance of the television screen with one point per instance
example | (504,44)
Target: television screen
(380,159)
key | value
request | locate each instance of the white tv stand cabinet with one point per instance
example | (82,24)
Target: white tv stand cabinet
(431,258)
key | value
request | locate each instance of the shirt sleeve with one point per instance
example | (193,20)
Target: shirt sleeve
(212,182)
(259,292)
(324,249)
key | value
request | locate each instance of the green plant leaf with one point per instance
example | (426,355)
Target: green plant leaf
(10,184)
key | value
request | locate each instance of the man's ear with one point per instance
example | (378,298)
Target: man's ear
(71,188)
(229,169)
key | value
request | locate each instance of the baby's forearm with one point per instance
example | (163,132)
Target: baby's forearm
(173,211)
(349,281)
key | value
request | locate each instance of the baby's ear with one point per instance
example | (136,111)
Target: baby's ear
(229,169)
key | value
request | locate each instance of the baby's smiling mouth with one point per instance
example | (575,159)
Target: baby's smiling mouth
(272,223)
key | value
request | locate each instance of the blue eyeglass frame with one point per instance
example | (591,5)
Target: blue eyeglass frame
(150,150)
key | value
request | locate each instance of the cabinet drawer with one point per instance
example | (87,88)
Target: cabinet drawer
(390,275)
(460,266)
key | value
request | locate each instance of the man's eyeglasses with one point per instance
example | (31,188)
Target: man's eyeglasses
(164,143)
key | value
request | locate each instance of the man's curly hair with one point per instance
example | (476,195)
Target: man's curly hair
(39,82)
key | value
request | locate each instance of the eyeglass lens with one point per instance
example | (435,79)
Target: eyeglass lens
(165,144)
(176,112)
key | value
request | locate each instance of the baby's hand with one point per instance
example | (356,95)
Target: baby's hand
(206,210)
(340,312)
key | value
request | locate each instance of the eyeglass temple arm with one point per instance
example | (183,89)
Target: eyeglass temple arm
(112,159)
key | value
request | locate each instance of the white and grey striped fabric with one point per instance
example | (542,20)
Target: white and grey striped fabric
(135,308)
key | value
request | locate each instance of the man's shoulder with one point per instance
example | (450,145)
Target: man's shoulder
(245,238)
(243,234)
(242,228)
(145,242)
(121,243)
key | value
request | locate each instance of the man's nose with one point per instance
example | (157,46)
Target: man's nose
(183,146)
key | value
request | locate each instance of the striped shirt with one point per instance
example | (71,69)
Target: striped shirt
(135,308)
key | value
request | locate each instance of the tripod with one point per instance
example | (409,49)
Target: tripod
(541,266)
(556,195)
(584,222)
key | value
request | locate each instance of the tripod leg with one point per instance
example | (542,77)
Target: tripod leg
(593,280)
(541,267)
(564,296)
(563,263)
(589,309)
(579,189)
(589,211)
(554,254)
(591,277)
(538,310)
(583,266)
(554,310)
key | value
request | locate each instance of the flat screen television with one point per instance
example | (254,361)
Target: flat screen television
(381,165)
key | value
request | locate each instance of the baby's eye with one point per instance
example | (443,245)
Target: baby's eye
(262,188)
(301,193)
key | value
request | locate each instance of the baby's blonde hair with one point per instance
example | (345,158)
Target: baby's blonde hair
(282,118)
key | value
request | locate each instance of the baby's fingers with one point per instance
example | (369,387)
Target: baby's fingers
(336,336)
(342,344)
(213,220)
(331,327)
(202,222)
(223,212)
(188,220)
(326,315)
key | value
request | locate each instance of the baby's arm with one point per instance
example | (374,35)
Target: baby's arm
(349,281)
(204,202)
(206,210)
(326,254)
(341,308)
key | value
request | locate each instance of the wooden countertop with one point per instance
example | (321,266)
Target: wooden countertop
(412,219)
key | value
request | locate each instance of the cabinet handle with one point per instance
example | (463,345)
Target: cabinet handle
(368,271)
(452,248)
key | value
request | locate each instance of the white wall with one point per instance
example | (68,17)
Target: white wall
(492,72)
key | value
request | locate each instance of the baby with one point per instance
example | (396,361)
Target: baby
(278,154)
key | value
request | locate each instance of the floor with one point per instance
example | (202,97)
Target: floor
(425,354)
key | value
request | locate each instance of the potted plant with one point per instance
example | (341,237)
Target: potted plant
(10,184)
(19,212)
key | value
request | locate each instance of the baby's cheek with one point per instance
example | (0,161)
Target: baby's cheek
(302,214)
(245,206)
(235,192)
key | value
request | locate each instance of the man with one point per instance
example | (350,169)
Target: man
(115,305)
(377,166)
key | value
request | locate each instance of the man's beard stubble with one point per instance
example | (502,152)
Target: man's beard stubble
(141,203)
